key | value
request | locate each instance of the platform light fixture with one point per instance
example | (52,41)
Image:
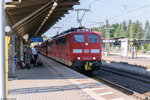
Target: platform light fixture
(9,6)
(7,29)
(26,36)
(16,1)
(11,3)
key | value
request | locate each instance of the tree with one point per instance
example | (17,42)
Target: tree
(132,30)
(135,30)
(101,30)
(123,29)
(147,31)
(113,29)
(128,30)
(139,32)
(117,31)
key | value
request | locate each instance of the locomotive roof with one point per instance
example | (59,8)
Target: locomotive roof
(68,32)
(79,29)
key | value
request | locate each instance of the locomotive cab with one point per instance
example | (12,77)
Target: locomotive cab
(86,50)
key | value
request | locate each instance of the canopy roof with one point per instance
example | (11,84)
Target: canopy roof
(34,17)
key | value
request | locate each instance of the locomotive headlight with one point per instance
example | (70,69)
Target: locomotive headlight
(94,58)
(86,44)
(78,58)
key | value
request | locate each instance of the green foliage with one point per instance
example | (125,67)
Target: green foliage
(117,31)
(147,47)
(146,31)
(130,30)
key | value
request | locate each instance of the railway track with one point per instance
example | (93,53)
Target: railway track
(127,74)
(121,88)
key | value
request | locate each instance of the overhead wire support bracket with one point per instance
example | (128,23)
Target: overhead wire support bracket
(78,16)
(57,29)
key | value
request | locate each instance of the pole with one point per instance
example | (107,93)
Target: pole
(80,19)
(57,29)
(21,50)
(13,54)
(2,52)
(131,32)
(132,48)
(107,44)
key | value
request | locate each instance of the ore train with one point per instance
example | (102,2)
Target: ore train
(79,48)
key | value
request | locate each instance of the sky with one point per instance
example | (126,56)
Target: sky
(116,11)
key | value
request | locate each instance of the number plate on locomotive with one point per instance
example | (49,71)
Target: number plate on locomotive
(86,50)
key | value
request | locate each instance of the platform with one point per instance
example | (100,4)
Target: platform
(141,60)
(54,81)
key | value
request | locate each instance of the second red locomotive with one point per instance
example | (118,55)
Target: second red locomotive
(78,47)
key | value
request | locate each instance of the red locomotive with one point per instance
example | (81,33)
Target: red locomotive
(78,47)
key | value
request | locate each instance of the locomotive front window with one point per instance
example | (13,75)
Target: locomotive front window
(93,38)
(79,38)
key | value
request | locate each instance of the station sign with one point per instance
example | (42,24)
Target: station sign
(108,41)
(36,39)
(117,43)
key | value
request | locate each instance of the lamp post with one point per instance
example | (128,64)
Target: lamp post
(132,48)
(2,51)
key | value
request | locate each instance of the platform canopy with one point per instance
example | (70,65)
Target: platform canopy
(34,17)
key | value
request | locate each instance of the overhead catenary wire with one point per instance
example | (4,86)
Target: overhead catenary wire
(83,7)
(127,12)
(74,13)
(118,4)
(125,6)
(144,13)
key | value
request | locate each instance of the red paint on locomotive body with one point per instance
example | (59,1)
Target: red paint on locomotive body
(75,48)
(44,48)
(85,50)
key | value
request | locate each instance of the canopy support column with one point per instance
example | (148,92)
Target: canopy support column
(13,54)
(2,52)
(21,50)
